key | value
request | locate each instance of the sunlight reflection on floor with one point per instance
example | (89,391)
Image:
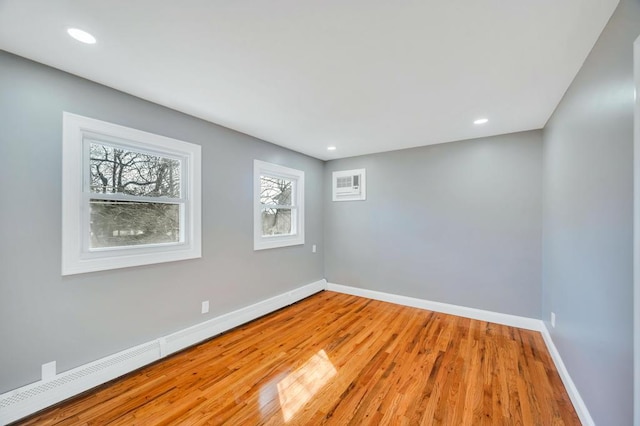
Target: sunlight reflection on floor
(297,388)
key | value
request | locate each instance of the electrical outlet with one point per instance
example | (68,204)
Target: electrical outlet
(553,319)
(205,307)
(313,248)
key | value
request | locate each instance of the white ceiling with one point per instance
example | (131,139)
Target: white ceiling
(363,75)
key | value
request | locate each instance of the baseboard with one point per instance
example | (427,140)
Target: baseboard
(34,397)
(482,315)
(462,311)
(572,390)
(29,399)
(199,332)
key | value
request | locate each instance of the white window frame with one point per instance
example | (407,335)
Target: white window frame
(261,242)
(77,256)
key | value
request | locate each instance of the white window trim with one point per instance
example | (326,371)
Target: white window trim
(261,242)
(76,258)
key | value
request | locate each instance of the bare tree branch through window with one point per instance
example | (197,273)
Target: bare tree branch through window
(276,197)
(119,222)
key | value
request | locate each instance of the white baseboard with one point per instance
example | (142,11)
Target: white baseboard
(482,315)
(34,397)
(462,311)
(29,399)
(199,332)
(576,399)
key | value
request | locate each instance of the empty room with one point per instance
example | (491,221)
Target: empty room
(319,212)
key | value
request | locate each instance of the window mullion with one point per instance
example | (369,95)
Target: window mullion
(127,197)
(277,206)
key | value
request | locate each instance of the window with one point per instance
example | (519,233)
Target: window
(279,206)
(128,197)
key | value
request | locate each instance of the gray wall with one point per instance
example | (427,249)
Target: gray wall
(457,223)
(588,222)
(77,319)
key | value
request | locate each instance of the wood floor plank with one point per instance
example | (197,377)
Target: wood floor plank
(337,359)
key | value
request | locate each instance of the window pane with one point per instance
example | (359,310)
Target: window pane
(275,191)
(123,171)
(126,223)
(276,222)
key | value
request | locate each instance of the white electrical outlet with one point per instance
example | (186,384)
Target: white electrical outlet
(553,319)
(313,248)
(205,306)
(48,370)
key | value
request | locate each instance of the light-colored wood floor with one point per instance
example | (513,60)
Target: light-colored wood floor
(339,359)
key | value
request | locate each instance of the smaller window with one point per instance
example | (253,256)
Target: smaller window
(278,206)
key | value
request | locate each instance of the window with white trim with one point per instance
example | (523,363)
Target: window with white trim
(129,197)
(278,206)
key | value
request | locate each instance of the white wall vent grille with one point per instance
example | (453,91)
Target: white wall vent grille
(347,182)
(349,185)
(31,398)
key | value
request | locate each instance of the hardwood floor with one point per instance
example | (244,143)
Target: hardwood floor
(339,359)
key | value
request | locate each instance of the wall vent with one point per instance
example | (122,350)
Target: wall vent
(349,185)
(31,398)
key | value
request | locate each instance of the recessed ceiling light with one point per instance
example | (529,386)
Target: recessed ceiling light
(481,121)
(331,148)
(81,36)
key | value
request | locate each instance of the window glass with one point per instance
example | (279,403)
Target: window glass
(116,223)
(122,170)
